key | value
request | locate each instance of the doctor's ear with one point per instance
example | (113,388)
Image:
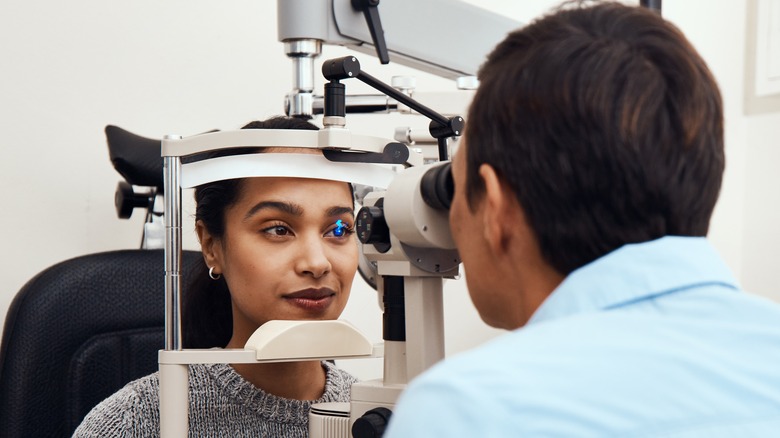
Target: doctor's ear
(499,207)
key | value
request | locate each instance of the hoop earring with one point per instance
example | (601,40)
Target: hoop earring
(212,275)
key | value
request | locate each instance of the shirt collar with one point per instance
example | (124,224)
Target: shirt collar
(635,272)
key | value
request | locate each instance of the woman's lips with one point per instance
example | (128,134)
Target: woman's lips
(312,299)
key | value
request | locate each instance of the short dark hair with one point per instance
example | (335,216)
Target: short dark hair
(207,313)
(608,127)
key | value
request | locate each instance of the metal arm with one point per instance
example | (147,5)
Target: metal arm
(348,67)
(449,38)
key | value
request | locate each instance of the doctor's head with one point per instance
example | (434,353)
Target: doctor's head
(593,127)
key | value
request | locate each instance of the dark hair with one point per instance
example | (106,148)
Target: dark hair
(207,313)
(606,124)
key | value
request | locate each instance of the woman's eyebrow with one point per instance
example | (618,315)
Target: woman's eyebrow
(338,211)
(284,207)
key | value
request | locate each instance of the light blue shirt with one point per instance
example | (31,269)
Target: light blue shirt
(653,339)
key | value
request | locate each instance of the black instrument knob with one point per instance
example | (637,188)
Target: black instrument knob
(372,424)
(126,200)
(371,226)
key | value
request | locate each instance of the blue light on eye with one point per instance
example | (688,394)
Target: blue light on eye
(340,228)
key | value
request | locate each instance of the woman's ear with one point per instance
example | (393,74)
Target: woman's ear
(209,246)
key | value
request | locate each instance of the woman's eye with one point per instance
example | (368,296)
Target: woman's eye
(278,230)
(341,229)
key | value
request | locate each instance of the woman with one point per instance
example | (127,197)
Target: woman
(274,248)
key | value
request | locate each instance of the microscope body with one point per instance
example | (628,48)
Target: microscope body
(410,245)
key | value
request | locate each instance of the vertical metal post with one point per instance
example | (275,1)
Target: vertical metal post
(302,52)
(174,387)
(171,184)
(424,323)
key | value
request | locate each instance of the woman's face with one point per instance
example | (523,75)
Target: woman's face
(285,255)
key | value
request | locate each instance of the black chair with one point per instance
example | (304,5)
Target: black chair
(76,333)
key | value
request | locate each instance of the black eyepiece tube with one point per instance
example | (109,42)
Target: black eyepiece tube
(437,187)
(335,98)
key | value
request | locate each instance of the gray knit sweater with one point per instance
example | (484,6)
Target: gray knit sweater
(222,404)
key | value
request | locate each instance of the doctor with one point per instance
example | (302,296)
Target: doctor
(592,162)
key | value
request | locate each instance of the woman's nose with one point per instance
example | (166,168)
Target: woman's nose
(313,258)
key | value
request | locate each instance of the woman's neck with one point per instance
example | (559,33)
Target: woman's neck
(291,380)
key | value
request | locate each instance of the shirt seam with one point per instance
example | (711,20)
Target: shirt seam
(678,289)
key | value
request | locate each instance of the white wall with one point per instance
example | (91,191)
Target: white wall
(761,237)
(761,233)
(155,68)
